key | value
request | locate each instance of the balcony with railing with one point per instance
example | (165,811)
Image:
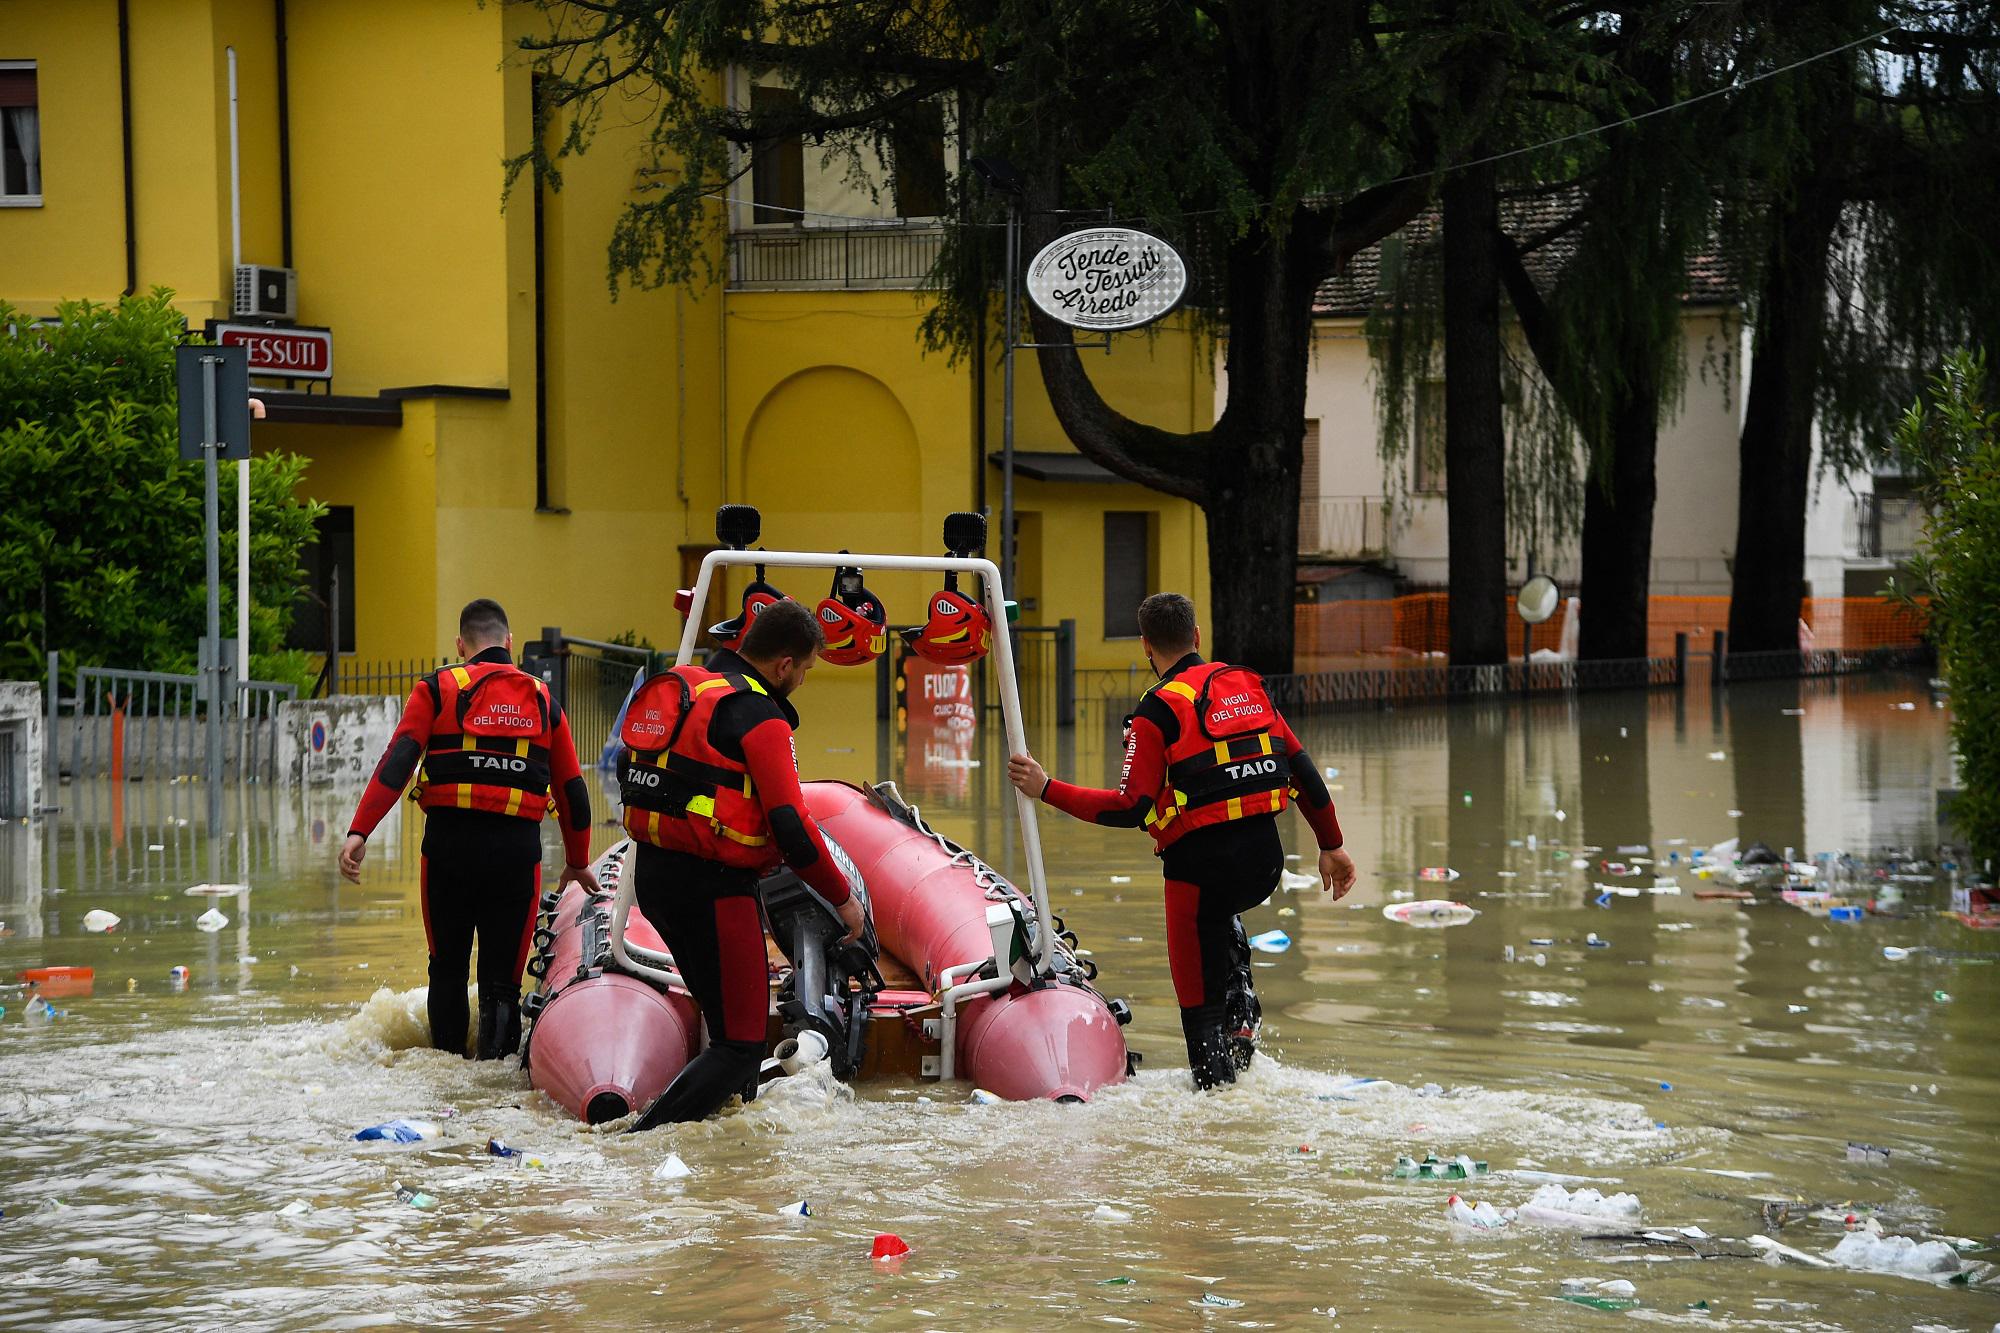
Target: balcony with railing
(885,255)
(1344,527)
(1885,527)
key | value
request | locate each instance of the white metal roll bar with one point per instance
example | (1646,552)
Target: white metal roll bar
(659,967)
(637,959)
(1002,654)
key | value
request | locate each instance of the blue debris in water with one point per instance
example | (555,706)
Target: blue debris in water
(398,1131)
(1604,899)
(1271,941)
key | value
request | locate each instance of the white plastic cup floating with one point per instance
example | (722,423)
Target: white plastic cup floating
(99,922)
(211,921)
(799,1209)
(673,1168)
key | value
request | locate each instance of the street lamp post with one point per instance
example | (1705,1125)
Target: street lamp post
(1001,175)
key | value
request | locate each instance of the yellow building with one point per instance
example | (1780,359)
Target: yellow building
(495,423)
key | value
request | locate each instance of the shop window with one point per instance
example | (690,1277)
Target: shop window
(777,165)
(917,143)
(20,134)
(1128,573)
(331,550)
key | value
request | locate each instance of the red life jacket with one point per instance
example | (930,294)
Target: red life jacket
(1225,764)
(680,792)
(489,741)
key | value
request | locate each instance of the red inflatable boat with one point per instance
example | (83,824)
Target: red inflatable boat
(612,1026)
(960,975)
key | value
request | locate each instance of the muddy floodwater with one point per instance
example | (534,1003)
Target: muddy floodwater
(182,1159)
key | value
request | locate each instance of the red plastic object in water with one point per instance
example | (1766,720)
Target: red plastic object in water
(888,1245)
(57,974)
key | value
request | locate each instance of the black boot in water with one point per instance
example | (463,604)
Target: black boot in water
(1243,1014)
(709,1081)
(499,1029)
(1208,1046)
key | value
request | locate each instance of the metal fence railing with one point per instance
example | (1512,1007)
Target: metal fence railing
(359,676)
(889,254)
(153,724)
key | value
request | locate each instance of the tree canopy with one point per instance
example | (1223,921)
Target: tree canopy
(101,526)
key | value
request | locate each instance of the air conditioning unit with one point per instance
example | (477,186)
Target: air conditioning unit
(266,293)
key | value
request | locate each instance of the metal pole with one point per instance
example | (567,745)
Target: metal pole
(210,446)
(51,763)
(333,635)
(1007,401)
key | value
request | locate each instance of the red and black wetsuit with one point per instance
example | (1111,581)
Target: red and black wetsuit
(482,848)
(1223,867)
(706,908)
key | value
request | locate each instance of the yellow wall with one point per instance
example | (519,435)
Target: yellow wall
(74,244)
(817,406)
(389,476)
(398,130)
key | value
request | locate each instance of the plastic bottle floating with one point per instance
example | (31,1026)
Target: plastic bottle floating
(1437,874)
(1481,1217)
(1460,1167)
(1430,912)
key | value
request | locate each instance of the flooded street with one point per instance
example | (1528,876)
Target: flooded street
(183,1159)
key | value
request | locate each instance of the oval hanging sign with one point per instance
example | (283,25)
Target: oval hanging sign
(1107,278)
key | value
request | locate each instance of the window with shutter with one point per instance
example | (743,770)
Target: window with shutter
(1309,509)
(1427,452)
(778,165)
(1127,571)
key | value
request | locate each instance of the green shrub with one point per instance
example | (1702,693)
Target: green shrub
(1952,439)
(100,520)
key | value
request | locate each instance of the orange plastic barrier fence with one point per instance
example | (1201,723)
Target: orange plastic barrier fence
(1419,626)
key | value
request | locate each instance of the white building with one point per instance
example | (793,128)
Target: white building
(1353,512)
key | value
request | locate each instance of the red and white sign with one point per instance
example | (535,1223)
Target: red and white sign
(293,354)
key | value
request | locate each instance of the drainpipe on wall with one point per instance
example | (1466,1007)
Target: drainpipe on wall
(125,121)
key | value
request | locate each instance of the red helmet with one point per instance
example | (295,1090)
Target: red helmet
(756,597)
(852,619)
(959,630)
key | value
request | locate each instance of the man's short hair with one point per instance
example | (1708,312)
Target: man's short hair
(482,621)
(783,629)
(1167,621)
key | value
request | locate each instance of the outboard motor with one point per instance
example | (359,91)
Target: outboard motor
(819,998)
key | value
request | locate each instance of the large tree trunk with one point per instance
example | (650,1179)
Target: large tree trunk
(1474,439)
(1255,453)
(1618,529)
(1767,580)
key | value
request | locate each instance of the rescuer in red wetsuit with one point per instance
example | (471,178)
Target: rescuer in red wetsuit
(1209,763)
(496,754)
(710,781)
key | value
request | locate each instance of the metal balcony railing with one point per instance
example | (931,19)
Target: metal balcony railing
(1351,527)
(890,255)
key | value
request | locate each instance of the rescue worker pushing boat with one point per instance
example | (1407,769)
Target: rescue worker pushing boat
(710,783)
(1209,763)
(496,755)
